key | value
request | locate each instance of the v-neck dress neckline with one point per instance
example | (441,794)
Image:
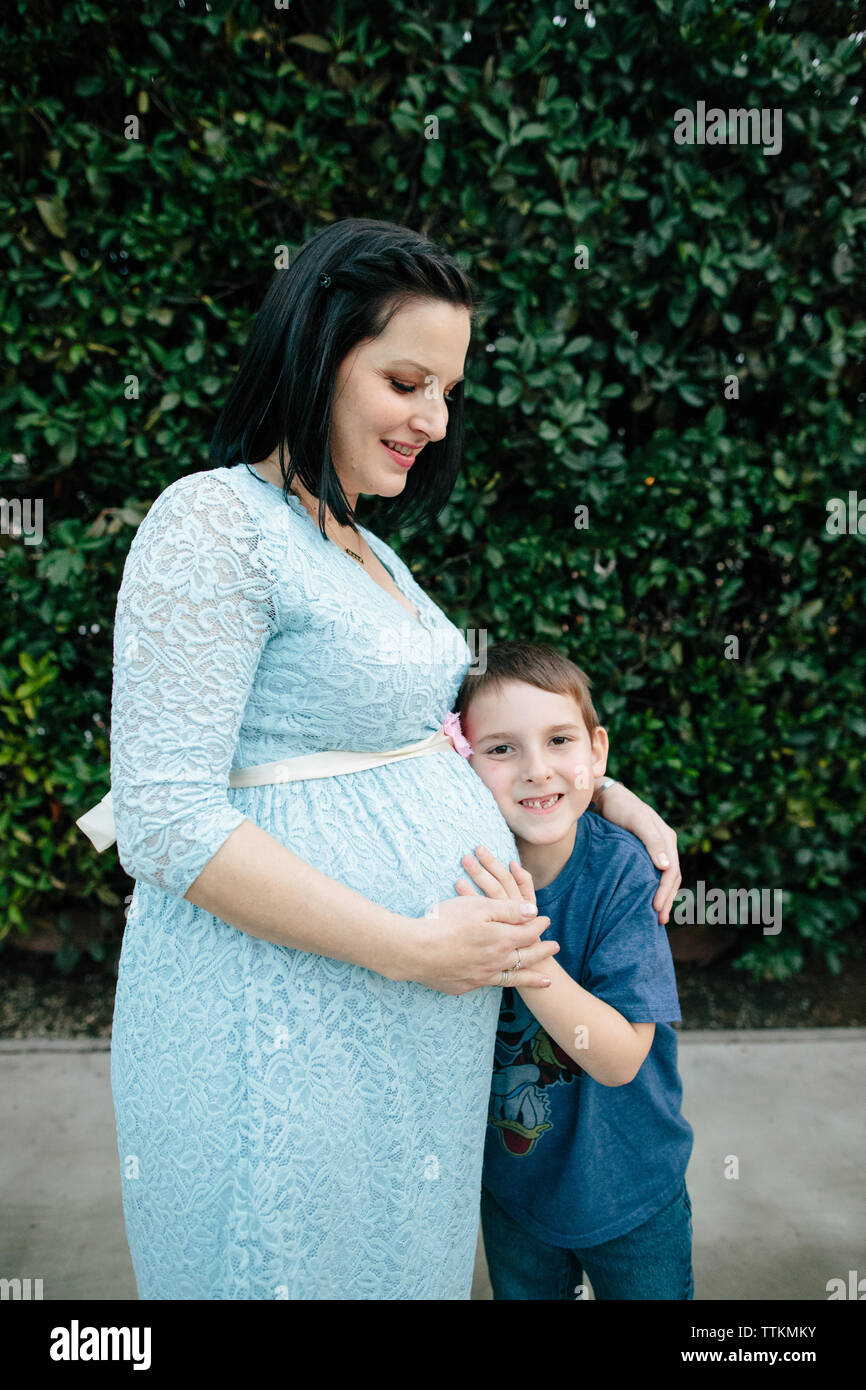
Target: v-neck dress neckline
(297,505)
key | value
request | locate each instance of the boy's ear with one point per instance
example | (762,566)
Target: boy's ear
(600,745)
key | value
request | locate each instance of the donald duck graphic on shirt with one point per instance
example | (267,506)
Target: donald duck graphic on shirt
(527,1062)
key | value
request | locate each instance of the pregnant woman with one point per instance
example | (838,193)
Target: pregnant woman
(306,1010)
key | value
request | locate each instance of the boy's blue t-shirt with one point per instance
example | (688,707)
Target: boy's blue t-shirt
(575,1162)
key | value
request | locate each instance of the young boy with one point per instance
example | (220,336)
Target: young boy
(586,1152)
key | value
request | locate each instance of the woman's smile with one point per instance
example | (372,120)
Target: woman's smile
(401,459)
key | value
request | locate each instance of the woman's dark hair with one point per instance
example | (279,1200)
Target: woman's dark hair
(282,394)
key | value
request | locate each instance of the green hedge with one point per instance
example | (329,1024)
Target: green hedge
(601,386)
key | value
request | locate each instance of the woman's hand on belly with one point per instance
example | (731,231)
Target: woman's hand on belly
(465,943)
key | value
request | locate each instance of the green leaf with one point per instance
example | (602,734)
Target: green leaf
(312,41)
(510,391)
(679,309)
(53,214)
(159,43)
(490,123)
(689,394)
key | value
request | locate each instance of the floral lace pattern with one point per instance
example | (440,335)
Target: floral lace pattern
(289,1126)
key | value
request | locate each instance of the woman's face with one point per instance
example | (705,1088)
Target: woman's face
(395,387)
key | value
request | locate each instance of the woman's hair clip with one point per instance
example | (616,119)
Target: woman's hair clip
(451,728)
(324,281)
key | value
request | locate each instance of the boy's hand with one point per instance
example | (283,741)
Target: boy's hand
(494,880)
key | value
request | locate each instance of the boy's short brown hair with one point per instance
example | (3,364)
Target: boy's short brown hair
(537,664)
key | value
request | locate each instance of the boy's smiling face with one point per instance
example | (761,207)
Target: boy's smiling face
(533,745)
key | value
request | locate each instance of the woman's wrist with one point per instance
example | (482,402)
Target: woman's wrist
(601,786)
(399,948)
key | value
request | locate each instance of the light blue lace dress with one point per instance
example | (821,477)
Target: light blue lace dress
(289,1126)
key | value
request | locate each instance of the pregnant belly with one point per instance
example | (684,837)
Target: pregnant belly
(395,833)
(358,1054)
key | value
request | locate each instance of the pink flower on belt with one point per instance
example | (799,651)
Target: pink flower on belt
(451,729)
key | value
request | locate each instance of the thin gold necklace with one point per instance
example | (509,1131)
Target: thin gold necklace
(354,554)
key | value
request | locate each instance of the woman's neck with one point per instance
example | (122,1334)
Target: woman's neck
(270,469)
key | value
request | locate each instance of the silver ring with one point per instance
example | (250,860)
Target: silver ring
(519,965)
(506,976)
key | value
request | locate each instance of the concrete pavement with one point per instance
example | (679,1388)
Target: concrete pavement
(783,1109)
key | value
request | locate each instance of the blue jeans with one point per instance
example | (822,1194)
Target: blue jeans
(654,1261)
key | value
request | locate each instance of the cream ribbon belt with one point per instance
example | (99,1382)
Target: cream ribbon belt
(98,823)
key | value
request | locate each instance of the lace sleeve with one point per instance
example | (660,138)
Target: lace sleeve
(196,607)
